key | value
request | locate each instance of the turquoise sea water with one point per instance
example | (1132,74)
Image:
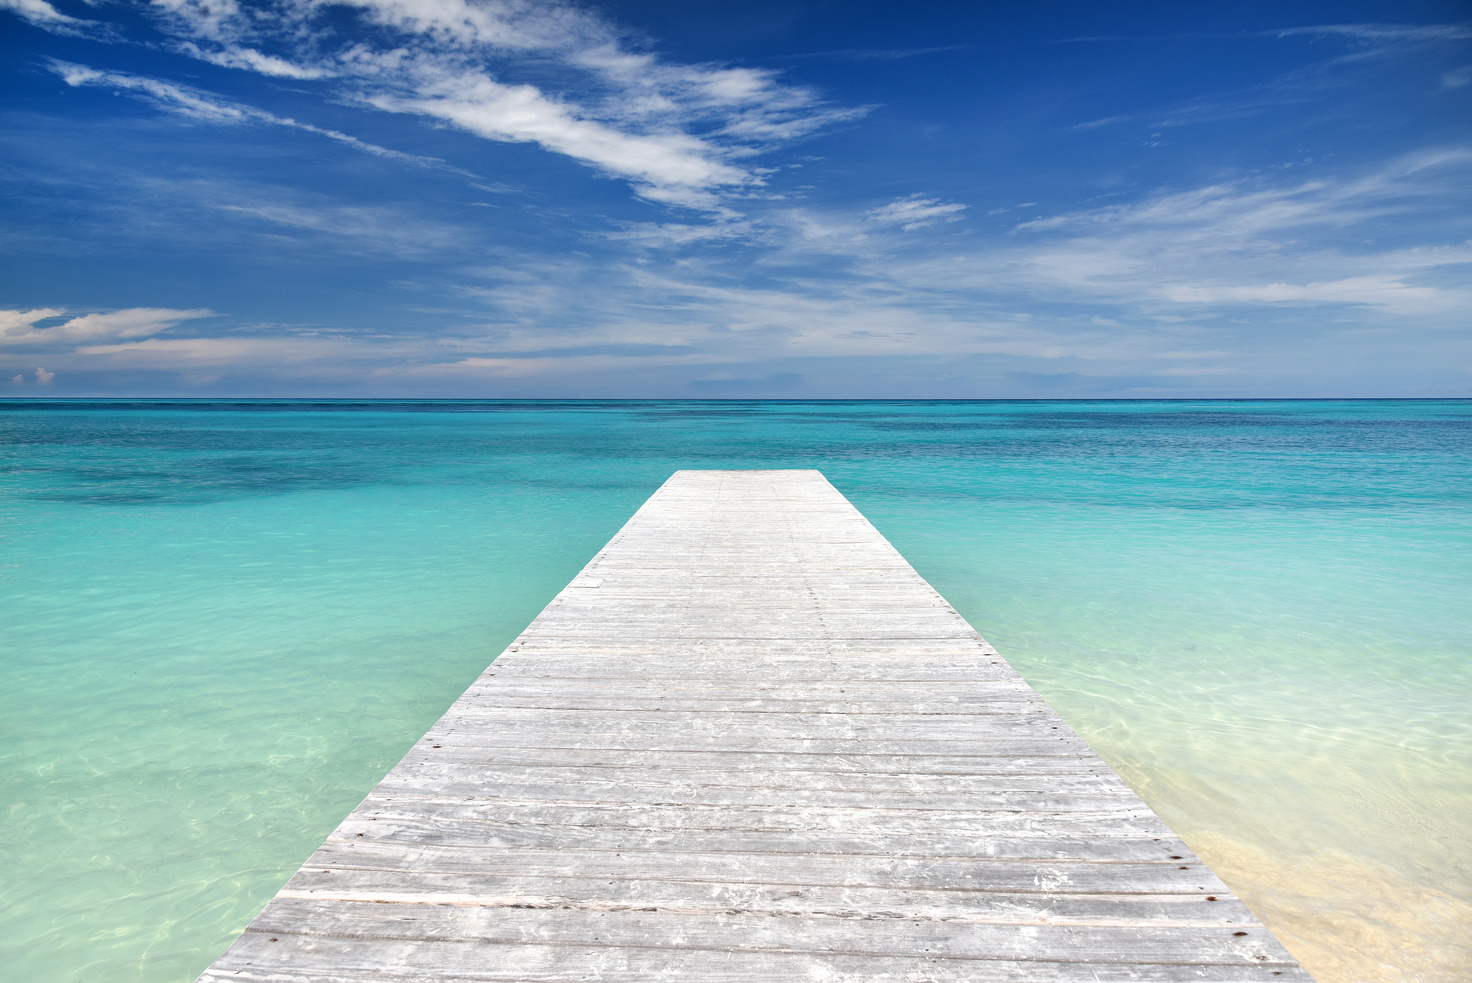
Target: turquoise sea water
(221,623)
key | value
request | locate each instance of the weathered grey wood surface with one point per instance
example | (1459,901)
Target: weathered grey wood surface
(749,743)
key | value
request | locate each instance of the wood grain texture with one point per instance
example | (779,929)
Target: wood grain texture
(749,743)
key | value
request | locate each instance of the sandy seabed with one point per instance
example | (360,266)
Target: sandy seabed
(1348,920)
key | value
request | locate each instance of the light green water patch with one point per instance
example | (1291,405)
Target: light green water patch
(207,690)
(1290,690)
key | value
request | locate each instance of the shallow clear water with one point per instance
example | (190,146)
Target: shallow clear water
(221,623)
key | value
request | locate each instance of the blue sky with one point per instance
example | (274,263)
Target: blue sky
(771,199)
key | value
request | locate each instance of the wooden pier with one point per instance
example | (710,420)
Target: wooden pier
(750,744)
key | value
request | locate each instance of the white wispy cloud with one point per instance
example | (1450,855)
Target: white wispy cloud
(548,73)
(1380,291)
(1165,277)
(915,212)
(672,167)
(236,351)
(237,56)
(1382,32)
(18,329)
(173,98)
(667,234)
(1233,215)
(1095,124)
(1457,78)
(370,229)
(203,107)
(39,13)
(1248,242)
(687,313)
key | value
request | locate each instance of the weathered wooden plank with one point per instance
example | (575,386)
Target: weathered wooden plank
(498,754)
(328,869)
(914,658)
(875,694)
(711,701)
(356,961)
(959,804)
(773,724)
(470,732)
(809,821)
(478,768)
(799,899)
(430,826)
(880,934)
(749,743)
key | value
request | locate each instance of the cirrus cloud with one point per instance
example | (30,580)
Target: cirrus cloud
(193,104)
(915,212)
(550,73)
(1375,291)
(39,13)
(19,329)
